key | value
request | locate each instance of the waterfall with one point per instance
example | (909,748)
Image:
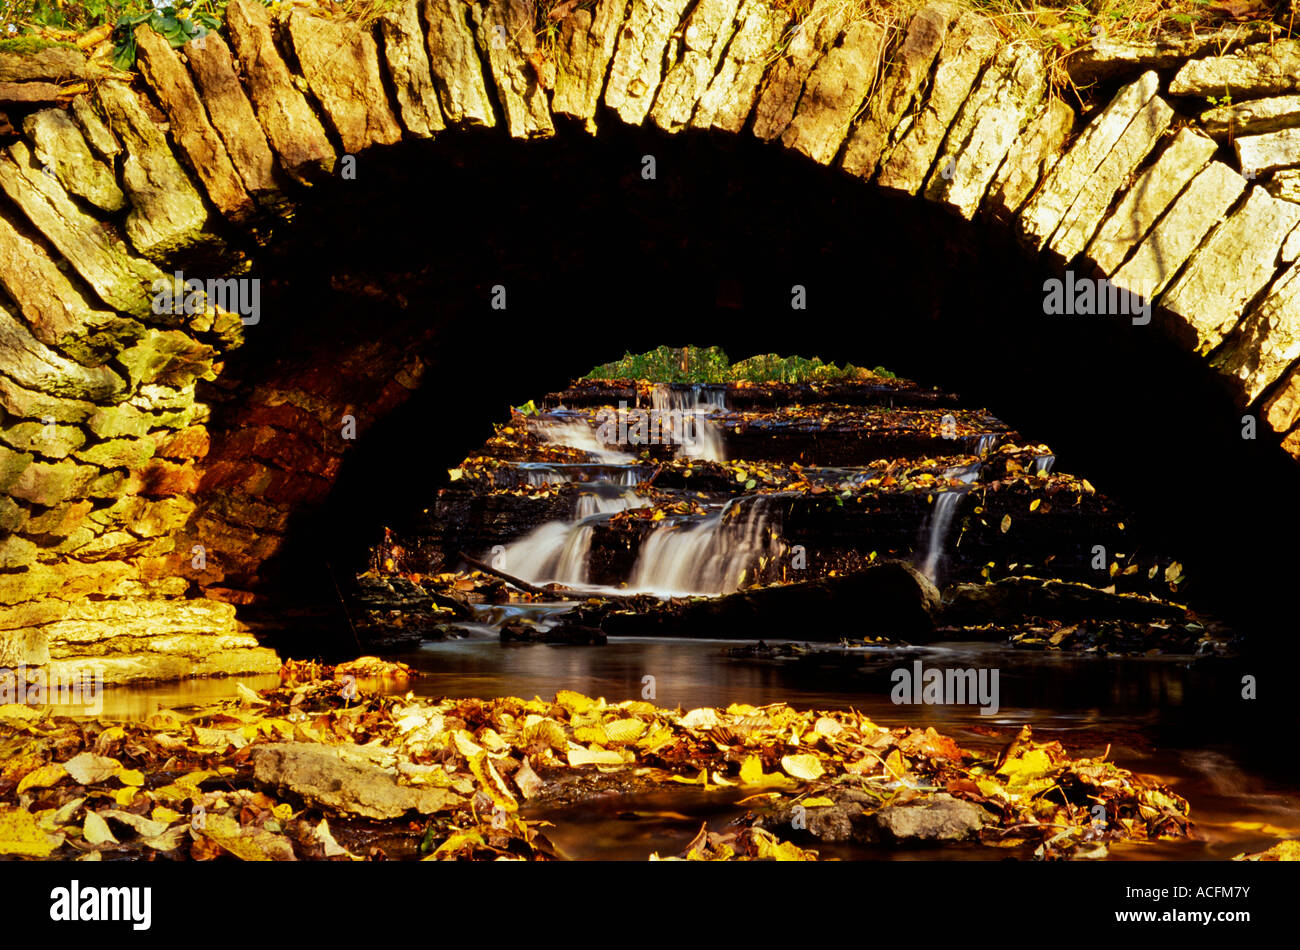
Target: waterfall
(709,556)
(987,443)
(945,507)
(557,552)
(699,437)
(1044,464)
(577,434)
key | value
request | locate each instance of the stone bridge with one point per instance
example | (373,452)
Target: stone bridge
(142,488)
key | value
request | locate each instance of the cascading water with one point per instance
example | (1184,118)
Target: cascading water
(577,434)
(556,552)
(710,556)
(697,435)
(945,508)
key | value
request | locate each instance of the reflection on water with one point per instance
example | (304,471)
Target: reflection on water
(1163,717)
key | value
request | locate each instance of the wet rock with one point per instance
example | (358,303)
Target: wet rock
(321,776)
(57,143)
(638,63)
(1071,175)
(694,55)
(408,68)
(1148,197)
(121,279)
(907,70)
(189,124)
(1080,222)
(569,633)
(935,818)
(834,92)
(585,46)
(731,94)
(291,127)
(505,36)
(984,129)
(1017,598)
(1226,272)
(457,71)
(167,213)
(1263,69)
(340,62)
(968,45)
(232,114)
(1207,199)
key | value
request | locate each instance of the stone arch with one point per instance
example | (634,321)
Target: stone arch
(129,529)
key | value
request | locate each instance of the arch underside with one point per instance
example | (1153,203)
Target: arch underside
(156,474)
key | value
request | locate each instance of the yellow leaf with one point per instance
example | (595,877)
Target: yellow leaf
(624,730)
(816,802)
(1033,505)
(166,815)
(124,795)
(751,774)
(43,777)
(806,767)
(131,777)
(20,834)
(574,702)
(1006,523)
(96,830)
(595,756)
(458,842)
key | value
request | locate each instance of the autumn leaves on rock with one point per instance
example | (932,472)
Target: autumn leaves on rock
(117,501)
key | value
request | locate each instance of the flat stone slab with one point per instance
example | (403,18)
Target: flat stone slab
(457,71)
(189,124)
(292,128)
(1168,245)
(167,212)
(1267,341)
(1273,150)
(694,55)
(1148,197)
(834,92)
(1234,265)
(907,70)
(733,92)
(1285,185)
(505,36)
(783,85)
(231,113)
(1252,117)
(52,64)
(988,124)
(1262,69)
(638,63)
(121,279)
(59,144)
(340,62)
(968,45)
(408,67)
(1080,222)
(585,46)
(1029,159)
(1068,177)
